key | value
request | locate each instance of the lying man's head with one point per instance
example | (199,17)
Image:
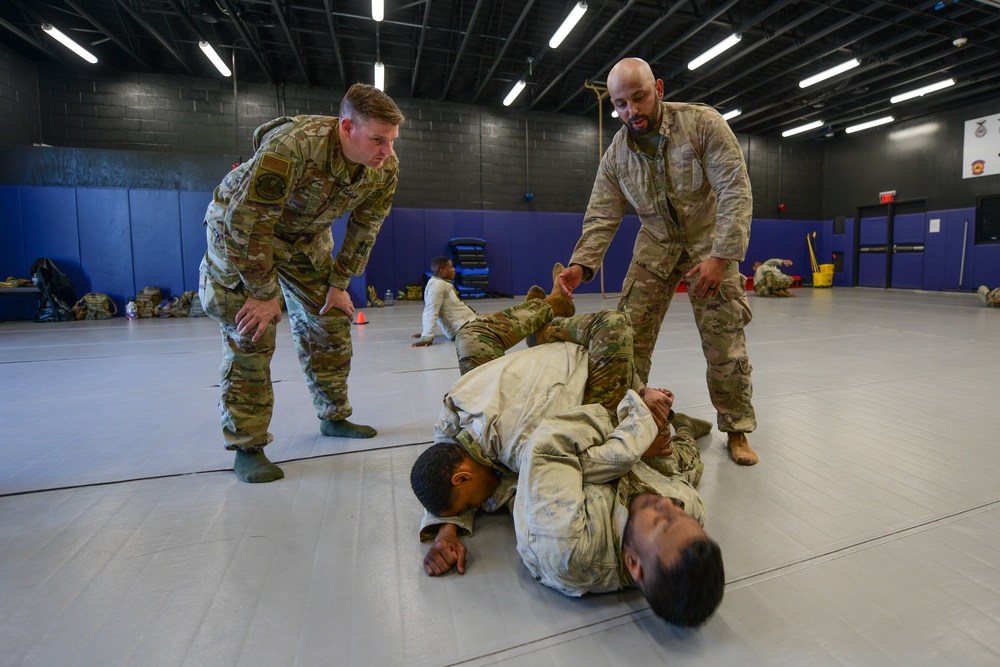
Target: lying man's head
(757,265)
(447,481)
(673,562)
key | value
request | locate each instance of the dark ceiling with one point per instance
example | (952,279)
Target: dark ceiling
(471,51)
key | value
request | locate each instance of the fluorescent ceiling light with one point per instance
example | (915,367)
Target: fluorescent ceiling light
(514,92)
(210,53)
(826,74)
(728,42)
(922,91)
(60,37)
(574,17)
(802,128)
(378,9)
(869,124)
(380,76)
(732,114)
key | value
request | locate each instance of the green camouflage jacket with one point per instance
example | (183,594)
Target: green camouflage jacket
(693,195)
(285,198)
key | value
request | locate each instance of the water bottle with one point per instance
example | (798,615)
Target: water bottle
(388,297)
(130,312)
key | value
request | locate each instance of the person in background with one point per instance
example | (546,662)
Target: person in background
(768,280)
(442,306)
(988,296)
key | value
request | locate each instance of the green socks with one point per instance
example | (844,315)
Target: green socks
(695,427)
(341,428)
(253,467)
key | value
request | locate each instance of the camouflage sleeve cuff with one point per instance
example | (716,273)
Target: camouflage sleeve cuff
(339,281)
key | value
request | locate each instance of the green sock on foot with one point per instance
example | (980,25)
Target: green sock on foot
(341,428)
(253,467)
(696,427)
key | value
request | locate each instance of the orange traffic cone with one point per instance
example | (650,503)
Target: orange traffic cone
(360,319)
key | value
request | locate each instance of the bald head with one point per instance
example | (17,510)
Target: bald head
(635,94)
(630,70)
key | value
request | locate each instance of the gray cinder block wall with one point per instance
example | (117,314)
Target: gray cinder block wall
(119,129)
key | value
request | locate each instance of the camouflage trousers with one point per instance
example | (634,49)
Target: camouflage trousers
(772,281)
(323,343)
(606,334)
(489,336)
(720,320)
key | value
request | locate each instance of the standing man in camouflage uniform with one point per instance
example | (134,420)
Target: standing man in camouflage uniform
(681,168)
(269,227)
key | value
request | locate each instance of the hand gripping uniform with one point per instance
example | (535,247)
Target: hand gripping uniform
(693,200)
(269,226)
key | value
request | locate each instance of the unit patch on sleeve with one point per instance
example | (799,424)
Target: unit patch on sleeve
(269,182)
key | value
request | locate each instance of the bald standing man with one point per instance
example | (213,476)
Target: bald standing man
(681,168)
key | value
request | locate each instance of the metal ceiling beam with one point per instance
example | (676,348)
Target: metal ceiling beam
(157,36)
(783,92)
(741,29)
(420,46)
(593,42)
(503,50)
(336,42)
(461,49)
(107,33)
(623,52)
(242,30)
(28,38)
(291,42)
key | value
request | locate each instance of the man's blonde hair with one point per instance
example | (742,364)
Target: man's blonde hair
(363,102)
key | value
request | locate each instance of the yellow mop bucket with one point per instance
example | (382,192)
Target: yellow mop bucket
(822,273)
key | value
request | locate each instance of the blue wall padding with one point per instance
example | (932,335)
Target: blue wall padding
(496,227)
(871,270)
(49,226)
(874,231)
(118,241)
(106,243)
(908,267)
(194,242)
(12,259)
(908,270)
(844,244)
(156,240)
(908,229)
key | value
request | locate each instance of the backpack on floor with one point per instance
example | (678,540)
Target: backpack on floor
(147,300)
(179,306)
(95,306)
(57,293)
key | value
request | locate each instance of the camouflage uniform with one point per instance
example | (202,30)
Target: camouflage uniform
(569,532)
(491,335)
(269,225)
(694,202)
(494,410)
(768,278)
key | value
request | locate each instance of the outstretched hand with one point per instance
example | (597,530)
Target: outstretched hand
(570,278)
(446,552)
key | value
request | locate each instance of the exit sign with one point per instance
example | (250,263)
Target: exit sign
(887,197)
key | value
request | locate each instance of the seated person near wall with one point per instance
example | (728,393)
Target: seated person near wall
(768,280)
(509,327)
(565,415)
(988,296)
